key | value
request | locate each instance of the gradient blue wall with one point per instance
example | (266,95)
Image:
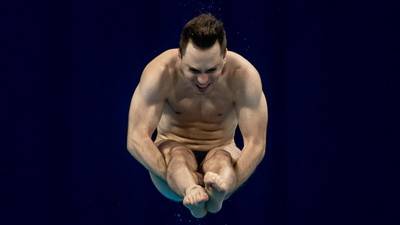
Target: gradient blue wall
(75,65)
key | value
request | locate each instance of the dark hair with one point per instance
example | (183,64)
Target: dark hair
(203,30)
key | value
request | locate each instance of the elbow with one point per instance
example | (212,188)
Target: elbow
(259,147)
(262,152)
(131,148)
(132,143)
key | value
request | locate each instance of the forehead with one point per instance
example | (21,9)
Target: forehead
(195,55)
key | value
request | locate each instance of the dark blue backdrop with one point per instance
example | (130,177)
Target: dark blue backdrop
(327,70)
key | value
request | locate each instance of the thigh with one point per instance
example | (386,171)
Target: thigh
(166,147)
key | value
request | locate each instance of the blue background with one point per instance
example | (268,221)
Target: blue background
(328,70)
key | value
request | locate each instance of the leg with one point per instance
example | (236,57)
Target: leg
(219,176)
(182,178)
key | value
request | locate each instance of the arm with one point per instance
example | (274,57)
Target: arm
(252,111)
(144,114)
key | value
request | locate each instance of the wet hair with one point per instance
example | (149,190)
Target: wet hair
(203,30)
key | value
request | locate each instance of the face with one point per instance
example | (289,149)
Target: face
(202,67)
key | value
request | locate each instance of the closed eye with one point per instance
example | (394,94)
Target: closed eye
(193,70)
(211,70)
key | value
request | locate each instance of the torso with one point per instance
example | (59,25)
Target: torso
(199,121)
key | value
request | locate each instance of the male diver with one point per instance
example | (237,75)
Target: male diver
(196,96)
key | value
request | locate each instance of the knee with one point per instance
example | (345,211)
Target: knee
(221,155)
(218,158)
(181,158)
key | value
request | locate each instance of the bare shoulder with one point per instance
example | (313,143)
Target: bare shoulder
(159,67)
(156,77)
(245,79)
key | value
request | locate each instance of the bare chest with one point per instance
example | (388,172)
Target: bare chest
(212,108)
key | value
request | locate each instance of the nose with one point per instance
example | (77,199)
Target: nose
(202,79)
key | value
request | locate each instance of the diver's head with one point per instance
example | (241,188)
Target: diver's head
(202,50)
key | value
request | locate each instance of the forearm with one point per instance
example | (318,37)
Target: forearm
(146,152)
(251,156)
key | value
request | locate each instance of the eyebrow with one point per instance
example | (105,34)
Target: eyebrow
(193,68)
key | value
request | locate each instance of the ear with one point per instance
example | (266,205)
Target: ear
(179,59)
(226,52)
(180,54)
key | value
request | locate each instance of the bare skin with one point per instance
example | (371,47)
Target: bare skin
(195,102)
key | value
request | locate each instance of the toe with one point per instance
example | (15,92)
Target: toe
(198,197)
(186,201)
(193,200)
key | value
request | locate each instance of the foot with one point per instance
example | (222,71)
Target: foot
(217,189)
(195,200)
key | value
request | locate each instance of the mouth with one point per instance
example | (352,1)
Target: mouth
(202,87)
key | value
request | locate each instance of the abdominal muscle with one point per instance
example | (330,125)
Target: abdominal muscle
(197,136)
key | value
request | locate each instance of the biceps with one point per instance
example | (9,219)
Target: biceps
(143,115)
(253,121)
